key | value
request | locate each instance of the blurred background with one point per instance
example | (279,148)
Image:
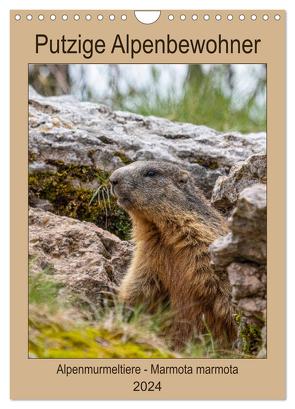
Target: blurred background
(222,96)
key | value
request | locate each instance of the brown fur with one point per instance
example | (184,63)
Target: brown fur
(173,226)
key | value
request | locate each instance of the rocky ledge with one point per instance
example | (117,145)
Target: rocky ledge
(64,130)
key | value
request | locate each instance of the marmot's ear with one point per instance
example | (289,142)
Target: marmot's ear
(183,176)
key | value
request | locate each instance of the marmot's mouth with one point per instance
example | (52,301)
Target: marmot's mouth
(123,202)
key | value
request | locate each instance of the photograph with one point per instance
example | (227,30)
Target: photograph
(147,211)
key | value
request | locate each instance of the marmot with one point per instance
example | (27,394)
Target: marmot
(173,226)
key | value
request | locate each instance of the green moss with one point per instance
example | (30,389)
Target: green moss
(50,338)
(124,158)
(249,336)
(208,163)
(66,191)
(31,156)
(54,333)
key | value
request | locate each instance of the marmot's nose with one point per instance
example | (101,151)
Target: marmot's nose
(114,179)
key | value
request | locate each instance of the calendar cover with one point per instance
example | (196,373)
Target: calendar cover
(148,204)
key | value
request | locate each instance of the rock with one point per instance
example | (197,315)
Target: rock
(263,353)
(253,306)
(227,188)
(247,239)
(248,224)
(64,130)
(242,255)
(80,255)
(246,280)
(41,204)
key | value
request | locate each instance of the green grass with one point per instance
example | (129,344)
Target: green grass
(66,325)
(53,336)
(112,332)
(202,107)
(209,97)
(202,102)
(43,290)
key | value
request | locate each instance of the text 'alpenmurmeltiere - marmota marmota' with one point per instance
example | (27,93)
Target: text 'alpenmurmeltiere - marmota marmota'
(173,226)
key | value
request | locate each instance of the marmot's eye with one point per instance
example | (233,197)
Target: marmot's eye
(150,173)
